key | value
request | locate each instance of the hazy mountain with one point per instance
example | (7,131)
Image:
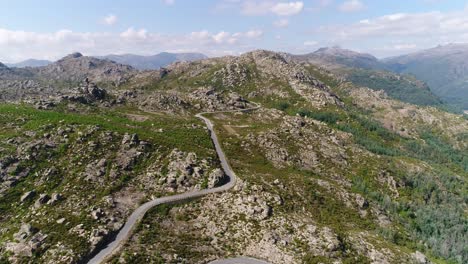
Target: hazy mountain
(444,68)
(366,70)
(155,61)
(337,56)
(29,63)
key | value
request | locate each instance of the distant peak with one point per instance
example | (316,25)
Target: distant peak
(338,51)
(73,56)
(2,65)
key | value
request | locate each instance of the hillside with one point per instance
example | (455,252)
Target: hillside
(367,71)
(153,62)
(329,171)
(444,68)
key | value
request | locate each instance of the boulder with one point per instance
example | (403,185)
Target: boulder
(420,258)
(216,178)
(27,196)
(43,198)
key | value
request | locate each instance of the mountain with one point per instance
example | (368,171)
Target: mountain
(444,68)
(155,61)
(29,63)
(333,56)
(366,70)
(76,67)
(328,171)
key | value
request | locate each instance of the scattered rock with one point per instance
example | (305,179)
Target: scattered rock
(43,198)
(27,196)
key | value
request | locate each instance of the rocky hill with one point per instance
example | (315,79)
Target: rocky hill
(444,68)
(329,171)
(153,62)
(76,67)
(366,70)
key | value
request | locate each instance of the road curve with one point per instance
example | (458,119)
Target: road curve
(138,214)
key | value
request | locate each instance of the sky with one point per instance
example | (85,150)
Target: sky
(51,29)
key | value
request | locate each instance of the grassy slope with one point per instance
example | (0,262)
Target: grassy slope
(440,186)
(70,158)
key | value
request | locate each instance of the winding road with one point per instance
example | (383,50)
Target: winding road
(125,233)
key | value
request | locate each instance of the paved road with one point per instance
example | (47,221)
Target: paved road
(239,260)
(138,214)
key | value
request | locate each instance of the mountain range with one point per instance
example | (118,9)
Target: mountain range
(155,61)
(29,63)
(443,68)
(152,62)
(331,168)
(437,73)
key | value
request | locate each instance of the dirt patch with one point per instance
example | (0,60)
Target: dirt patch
(230,130)
(138,118)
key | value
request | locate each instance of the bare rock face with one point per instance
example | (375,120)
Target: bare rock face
(420,258)
(275,65)
(208,99)
(28,239)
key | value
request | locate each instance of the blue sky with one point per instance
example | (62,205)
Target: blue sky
(50,29)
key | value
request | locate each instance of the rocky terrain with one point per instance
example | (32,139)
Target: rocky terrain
(330,172)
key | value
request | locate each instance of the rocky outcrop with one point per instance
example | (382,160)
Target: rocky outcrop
(208,99)
(28,240)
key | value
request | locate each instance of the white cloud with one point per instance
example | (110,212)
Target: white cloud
(281,23)
(169,2)
(398,33)
(264,7)
(110,19)
(19,45)
(351,6)
(431,24)
(133,34)
(288,9)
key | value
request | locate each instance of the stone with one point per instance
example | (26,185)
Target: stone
(420,258)
(97,214)
(216,178)
(43,198)
(56,197)
(27,196)
(361,202)
(25,231)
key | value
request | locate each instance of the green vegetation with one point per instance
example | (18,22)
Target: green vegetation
(404,88)
(59,142)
